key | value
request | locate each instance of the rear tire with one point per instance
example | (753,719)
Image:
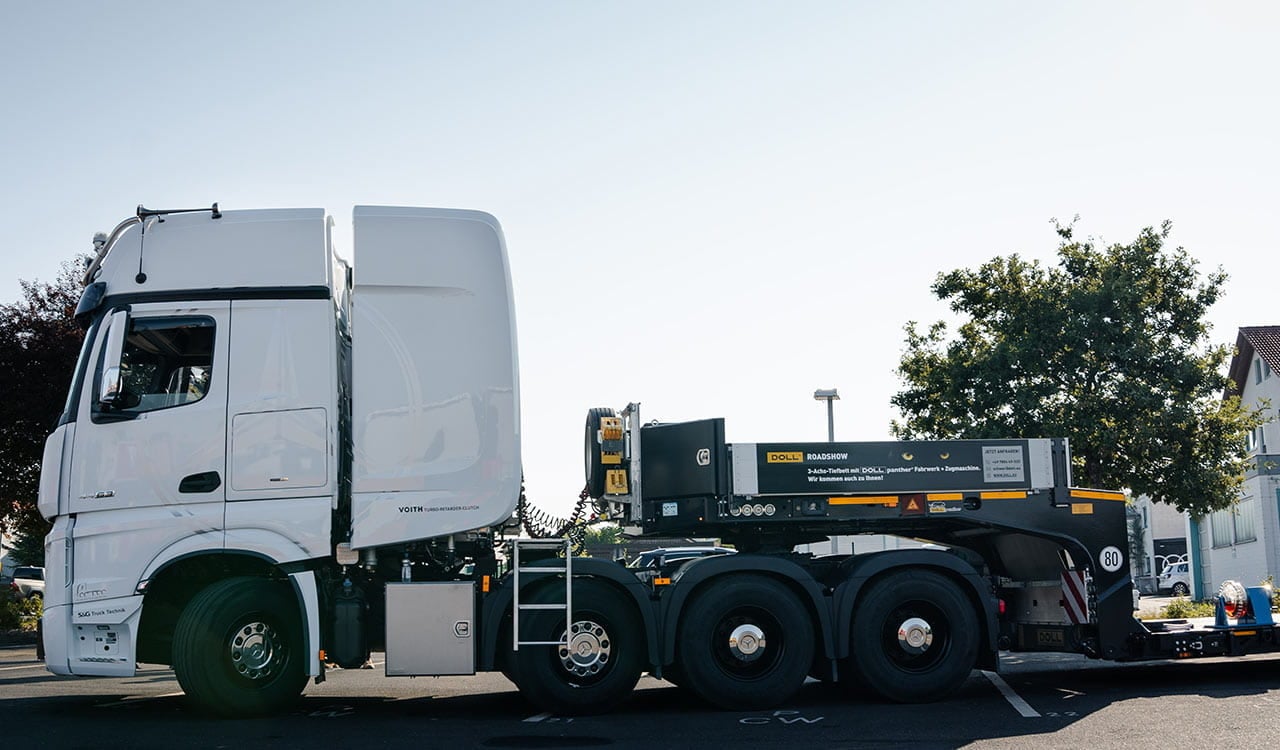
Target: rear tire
(237,648)
(914,637)
(601,663)
(1180,589)
(746,643)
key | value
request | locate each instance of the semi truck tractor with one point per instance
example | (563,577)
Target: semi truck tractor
(272,461)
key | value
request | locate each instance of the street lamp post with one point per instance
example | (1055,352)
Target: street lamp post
(830,396)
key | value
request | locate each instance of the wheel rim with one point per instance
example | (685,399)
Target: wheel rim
(587,650)
(916,636)
(747,643)
(256,651)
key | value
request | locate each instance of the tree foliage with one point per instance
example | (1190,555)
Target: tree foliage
(39,343)
(1108,348)
(604,534)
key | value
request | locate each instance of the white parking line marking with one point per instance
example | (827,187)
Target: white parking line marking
(25,666)
(1014,699)
(539,717)
(136,698)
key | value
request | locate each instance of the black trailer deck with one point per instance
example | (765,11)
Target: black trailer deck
(1056,555)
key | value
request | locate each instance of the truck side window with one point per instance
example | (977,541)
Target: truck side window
(166,362)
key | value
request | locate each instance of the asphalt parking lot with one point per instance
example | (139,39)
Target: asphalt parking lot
(1049,700)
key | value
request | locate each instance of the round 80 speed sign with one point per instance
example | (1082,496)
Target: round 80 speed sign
(1111,558)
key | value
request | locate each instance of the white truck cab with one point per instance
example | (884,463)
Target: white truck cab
(221,426)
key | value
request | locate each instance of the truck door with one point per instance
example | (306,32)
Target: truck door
(149,461)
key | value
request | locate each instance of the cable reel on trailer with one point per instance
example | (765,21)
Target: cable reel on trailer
(605,444)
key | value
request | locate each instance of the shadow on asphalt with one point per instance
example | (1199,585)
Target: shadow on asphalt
(656,715)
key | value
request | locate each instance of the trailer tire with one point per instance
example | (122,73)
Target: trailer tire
(237,648)
(603,659)
(746,643)
(594,465)
(914,637)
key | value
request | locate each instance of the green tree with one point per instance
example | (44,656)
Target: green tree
(604,534)
(39,343)
(1109,348)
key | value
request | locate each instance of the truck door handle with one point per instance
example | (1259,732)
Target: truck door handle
(205,481)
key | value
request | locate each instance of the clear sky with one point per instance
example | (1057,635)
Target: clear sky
(712,208)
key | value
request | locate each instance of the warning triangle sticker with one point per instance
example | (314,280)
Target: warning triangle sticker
(912,505)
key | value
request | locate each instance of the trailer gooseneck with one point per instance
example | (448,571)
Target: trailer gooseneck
(271,461)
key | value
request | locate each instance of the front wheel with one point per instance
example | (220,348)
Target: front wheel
(1180,589)
(599,658)
(746,643)
(237,648)
(914,636)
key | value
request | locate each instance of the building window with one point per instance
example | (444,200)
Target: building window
(1244,515)
(1220,525)
(1266,369)
(1257,370)
(1234,525)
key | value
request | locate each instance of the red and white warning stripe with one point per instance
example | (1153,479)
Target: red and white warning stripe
(1075,597)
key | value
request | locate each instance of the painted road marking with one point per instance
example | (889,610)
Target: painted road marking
(136,698)
(1014,699)
(25,666)
(539,717)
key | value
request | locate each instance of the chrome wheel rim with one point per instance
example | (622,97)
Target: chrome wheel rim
(256,650)
(747,642)
(586,650)
(915,635)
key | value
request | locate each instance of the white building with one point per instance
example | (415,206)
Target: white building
(1243,542)
(1159,536)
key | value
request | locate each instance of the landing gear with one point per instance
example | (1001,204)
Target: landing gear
(914,637)
(745,643)
(237,648)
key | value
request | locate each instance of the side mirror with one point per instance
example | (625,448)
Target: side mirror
(109,389)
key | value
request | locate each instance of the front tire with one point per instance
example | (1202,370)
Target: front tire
(914,637)
(237,648)
(746,643)
(601,660)
(1180,589)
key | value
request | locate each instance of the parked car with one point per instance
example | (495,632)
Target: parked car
(1175,579)
(664,556)
(29,581)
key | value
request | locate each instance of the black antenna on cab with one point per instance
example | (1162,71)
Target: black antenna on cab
(145,213)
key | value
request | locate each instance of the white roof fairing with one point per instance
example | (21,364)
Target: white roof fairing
(262,248)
